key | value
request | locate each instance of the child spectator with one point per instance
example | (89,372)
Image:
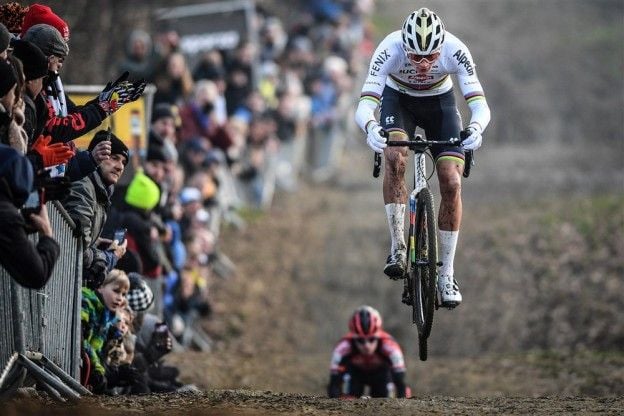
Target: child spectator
(98,317)
(122,376)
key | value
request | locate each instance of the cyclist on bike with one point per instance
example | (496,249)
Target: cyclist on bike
(409,75)
(369,356)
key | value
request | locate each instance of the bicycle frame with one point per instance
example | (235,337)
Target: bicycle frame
(419,147)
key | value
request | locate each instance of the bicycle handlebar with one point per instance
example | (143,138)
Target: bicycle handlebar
(420,145)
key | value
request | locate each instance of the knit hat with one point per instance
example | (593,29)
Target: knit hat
(140,296)
(48,39)
(117,146)
(162,110)
(34,61)
(156,152)
(142,193)
(8,77)
(5,37)
(38,13)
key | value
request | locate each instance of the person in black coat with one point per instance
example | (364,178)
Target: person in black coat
(30,264)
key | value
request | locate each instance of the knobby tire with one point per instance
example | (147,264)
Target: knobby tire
(425,270)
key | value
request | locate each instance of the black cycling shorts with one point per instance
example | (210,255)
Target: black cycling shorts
(437,115)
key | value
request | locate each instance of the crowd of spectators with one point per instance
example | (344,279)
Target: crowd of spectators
(223,136)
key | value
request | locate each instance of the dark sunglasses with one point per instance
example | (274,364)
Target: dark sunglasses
(367,340)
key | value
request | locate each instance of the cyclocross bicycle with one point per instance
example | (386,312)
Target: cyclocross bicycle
(420,280)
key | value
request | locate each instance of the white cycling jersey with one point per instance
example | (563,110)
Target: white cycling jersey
(390,67)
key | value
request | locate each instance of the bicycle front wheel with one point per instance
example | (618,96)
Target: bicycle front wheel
(425,265)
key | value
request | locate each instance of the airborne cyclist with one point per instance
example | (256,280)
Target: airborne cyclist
(409,76)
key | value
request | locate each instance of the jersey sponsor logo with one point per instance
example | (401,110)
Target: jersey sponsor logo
(421,77)
(389,120)
(373,83)
(379,61)
(462,59)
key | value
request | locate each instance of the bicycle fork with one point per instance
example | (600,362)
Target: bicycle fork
(420,182)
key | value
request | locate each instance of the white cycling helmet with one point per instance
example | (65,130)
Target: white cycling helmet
(423,32)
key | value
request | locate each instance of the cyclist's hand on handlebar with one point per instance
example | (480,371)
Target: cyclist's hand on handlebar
(474,139)
(374,138)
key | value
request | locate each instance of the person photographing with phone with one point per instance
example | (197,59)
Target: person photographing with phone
(88,203)
(16,183)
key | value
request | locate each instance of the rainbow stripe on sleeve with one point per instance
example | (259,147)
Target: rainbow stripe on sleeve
(474,96)
(370,97)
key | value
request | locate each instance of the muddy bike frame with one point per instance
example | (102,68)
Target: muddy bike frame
(420,279)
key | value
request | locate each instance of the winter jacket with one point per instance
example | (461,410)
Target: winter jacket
(97,328)
(29,264)
(87,204)
(65,121)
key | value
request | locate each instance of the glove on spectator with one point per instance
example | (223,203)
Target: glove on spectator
(120,92)
(52,154)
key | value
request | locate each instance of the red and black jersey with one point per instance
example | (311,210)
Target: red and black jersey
(387,355)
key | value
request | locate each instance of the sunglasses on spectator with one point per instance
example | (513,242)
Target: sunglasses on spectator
(368,340)
(417,59)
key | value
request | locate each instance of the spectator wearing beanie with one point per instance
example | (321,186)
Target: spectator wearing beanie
(5,38)
(153,337)
(12,131)
(140,296)
(39,13)
(8,81)
(35,66)
(48,39)
(163,132)
(60,113)
(141,198)
(66,121)
(88,204)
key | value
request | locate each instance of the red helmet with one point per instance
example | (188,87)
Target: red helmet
(365,322)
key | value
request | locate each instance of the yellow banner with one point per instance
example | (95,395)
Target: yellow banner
(128,123)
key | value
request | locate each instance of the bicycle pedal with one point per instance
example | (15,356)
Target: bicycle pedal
(450,305)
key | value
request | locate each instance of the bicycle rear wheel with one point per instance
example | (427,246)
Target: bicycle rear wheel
(425,266)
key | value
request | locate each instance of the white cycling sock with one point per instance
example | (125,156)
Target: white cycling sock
(447,242)
(396,218)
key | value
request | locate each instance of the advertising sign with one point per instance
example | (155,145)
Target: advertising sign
(204,27)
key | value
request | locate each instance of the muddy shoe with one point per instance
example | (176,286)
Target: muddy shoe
(449,292)
(396,265)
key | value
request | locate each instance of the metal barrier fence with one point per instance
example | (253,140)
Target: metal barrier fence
(46,320)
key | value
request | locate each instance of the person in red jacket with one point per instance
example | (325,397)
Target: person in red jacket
(366,356)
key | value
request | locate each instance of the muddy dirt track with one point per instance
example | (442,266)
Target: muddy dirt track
(536,331)
(318,254)
(256,403)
